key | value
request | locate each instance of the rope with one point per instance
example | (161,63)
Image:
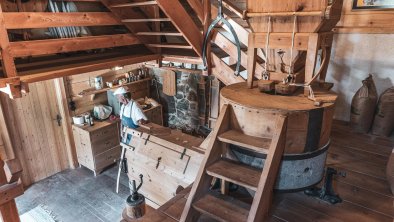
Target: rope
(266,73)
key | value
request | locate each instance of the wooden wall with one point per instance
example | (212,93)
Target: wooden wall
(365,21)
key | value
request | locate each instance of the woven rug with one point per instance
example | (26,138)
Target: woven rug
(39,214)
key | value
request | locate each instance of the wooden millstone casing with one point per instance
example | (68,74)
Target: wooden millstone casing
(307,135)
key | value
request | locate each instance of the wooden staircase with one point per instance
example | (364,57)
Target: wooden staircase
(215,165)
(161,25)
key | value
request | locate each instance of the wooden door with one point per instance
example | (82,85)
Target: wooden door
(35,127)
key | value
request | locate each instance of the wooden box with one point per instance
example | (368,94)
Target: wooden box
(98,145)
(166,162)
(155,114)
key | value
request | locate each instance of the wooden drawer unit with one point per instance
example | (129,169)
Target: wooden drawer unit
(98,145)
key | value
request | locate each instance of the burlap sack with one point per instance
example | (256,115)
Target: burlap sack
(383,124)
(363,106)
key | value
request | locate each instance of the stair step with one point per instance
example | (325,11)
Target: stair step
(171,45)
(134,4)
(237,173)
(257,144)
(147,20)
(160,33)
(220,209)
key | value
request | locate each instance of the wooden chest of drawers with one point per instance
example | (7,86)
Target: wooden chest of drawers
(98,145)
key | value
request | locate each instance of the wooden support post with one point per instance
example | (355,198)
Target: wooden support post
(328,40)
(10,187)
(311,57)
(7,58)
(252,54)
(156,28)
(206,23)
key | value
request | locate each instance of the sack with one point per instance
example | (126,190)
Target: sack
(363,106)
(383,124)
(390,172)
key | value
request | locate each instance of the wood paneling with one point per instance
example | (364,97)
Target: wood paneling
(37,139)
(364,21)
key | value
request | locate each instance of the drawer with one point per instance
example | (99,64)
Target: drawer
(107,158)
(101,146)
(105,132)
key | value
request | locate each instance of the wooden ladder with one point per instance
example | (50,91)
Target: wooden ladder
(214,165)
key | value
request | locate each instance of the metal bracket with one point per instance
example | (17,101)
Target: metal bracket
(183,153)
(326,193)
(220,18)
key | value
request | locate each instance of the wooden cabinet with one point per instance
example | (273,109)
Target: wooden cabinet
(98,145)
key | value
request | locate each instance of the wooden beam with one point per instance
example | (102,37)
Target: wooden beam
(182,59)
(147,20)
(7,59)
(134,4)
(73,69)
(281,40)
(197,6)
(52,46)
(183,22)
(31,20)
(223,72)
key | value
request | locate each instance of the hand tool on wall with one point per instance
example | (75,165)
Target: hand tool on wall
(220,18)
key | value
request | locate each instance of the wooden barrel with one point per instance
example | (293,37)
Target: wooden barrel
(308,127)
(307,136)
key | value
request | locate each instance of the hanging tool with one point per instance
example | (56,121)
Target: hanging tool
(290,76)
(220,18)
(266,73)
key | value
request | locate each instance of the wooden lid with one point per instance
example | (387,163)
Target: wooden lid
(240,94)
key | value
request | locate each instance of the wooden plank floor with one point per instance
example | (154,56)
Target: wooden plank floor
(360,158)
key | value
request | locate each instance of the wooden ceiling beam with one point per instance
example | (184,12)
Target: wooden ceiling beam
(183,22)
(30,20)
(85,67)
(53,46)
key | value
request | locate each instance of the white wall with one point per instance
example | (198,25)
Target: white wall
(354,56)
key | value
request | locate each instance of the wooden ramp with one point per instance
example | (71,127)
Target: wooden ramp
(361,160)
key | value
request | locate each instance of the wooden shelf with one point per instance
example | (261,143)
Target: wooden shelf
(93,92)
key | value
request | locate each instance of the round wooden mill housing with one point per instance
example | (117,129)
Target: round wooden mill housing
(307,136)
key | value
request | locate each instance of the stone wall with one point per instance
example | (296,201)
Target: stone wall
(183,110)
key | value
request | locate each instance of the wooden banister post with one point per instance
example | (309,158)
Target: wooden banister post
(7,58)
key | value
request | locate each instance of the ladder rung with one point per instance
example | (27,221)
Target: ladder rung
(221,209)
(237,173)
(148,20)
(134,4)
(160,33)
(177,46)
(257,144)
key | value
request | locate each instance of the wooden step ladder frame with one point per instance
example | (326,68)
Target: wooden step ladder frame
(263,197)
